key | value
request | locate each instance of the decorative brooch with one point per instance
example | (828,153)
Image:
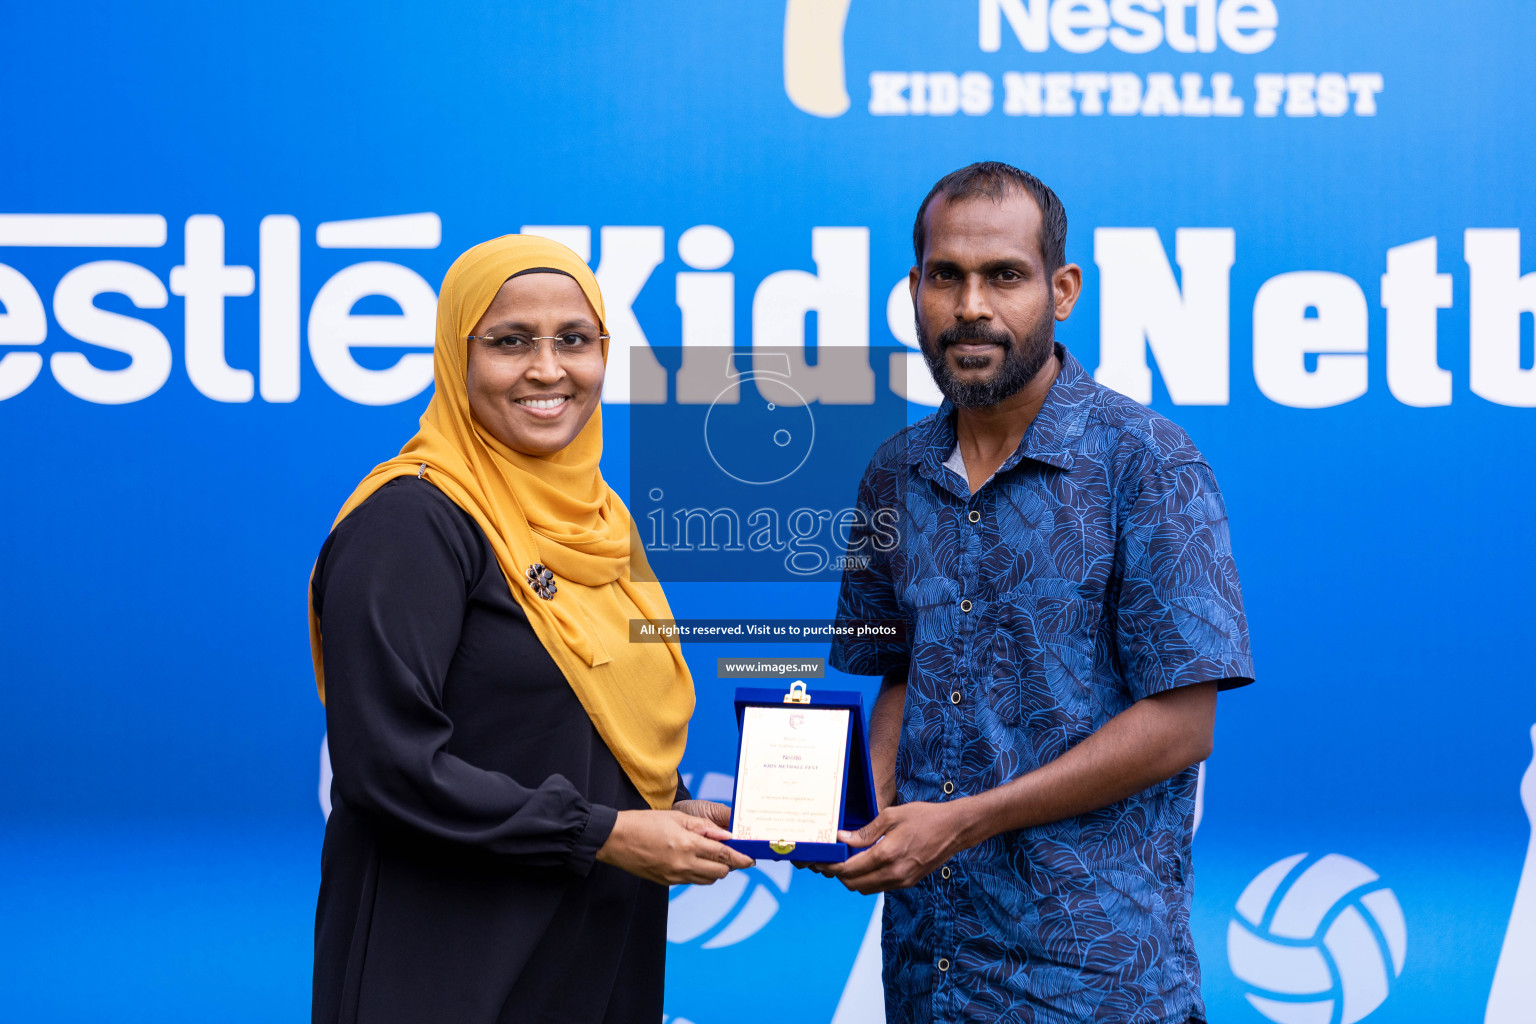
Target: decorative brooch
(542,581)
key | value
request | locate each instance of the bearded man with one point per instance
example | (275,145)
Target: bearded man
(1071,604)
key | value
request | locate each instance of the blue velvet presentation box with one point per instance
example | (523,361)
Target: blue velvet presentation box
(858,798)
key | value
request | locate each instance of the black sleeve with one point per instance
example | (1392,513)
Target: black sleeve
(391,591)
(682,790)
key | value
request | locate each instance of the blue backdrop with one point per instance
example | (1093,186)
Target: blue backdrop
(197,368)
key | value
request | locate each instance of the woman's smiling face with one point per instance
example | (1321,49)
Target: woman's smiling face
(537,380)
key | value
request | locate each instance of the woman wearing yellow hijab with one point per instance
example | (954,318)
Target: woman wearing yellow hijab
(503,824)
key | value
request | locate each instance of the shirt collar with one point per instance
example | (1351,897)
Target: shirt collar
(1052,438)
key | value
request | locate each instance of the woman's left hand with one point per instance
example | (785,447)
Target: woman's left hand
(715,813)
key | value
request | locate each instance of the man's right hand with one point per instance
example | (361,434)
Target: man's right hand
(670,847)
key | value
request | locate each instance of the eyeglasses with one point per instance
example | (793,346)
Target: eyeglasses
(519,344)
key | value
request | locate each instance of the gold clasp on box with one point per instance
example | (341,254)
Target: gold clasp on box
(796,695)
(782,846)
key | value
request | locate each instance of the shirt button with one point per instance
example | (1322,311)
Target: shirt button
(954,698)
(944,872)
(949,787)
(943,964)
(965,605)
(975,516)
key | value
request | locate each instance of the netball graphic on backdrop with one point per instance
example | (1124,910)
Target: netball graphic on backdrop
(1318,940)
(1513,998)
(735,908)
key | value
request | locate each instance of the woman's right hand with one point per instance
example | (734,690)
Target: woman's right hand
(670,847)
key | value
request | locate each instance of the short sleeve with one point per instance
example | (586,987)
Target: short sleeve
(1179,618)
(872,635)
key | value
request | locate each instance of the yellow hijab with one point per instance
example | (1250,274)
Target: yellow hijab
(554,510)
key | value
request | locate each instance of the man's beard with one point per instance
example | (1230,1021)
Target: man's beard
(1020,363)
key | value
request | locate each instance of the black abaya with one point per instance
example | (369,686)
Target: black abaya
(471,794)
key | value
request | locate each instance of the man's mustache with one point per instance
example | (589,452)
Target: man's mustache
(972,334)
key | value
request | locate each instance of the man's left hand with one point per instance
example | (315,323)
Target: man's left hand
(913,840)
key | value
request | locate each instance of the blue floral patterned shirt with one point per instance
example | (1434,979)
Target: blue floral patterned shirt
(1092,570)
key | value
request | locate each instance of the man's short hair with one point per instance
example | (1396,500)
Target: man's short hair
(996,180)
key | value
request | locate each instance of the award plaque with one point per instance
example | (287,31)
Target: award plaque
(802,773)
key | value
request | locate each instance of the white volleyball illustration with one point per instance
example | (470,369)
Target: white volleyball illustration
(1317,940)
(730,911)
(325,776)
(735,908)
